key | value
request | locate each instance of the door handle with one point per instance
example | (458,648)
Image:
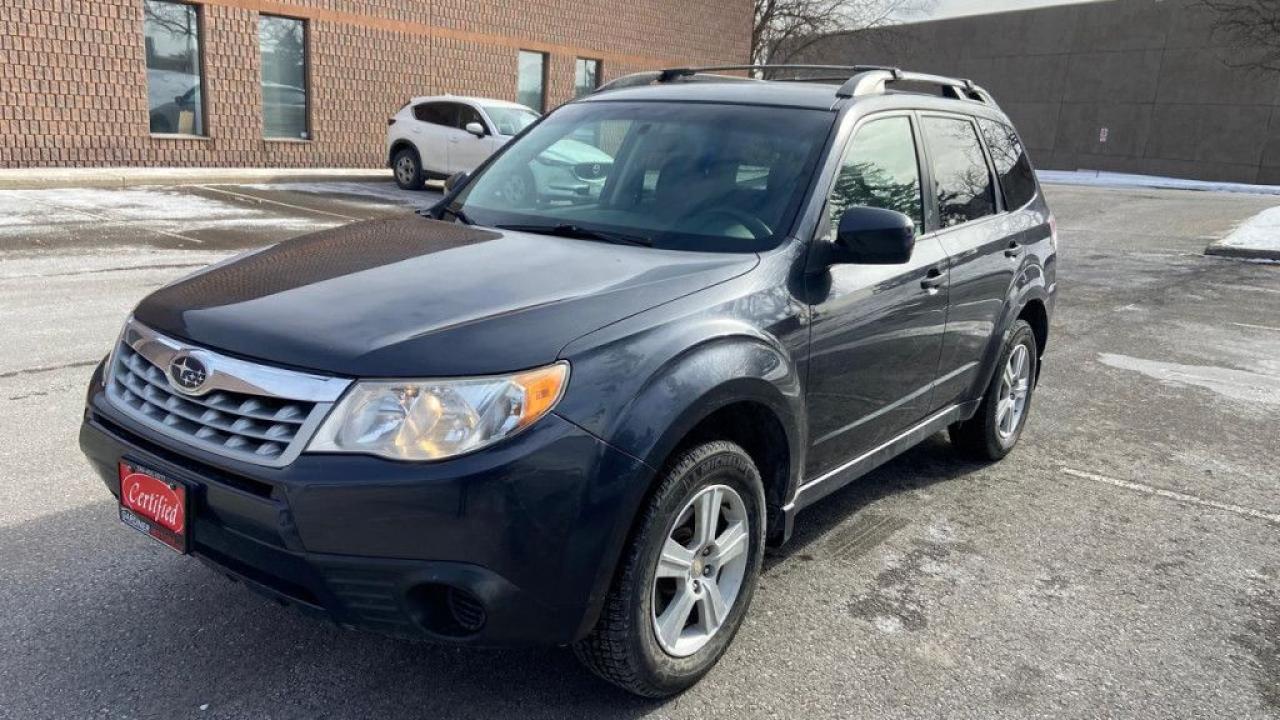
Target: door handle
(1014,249)
(934,280)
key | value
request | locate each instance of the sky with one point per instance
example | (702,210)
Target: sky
(952,8)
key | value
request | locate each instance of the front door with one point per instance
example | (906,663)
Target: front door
(466,151)
(877,329)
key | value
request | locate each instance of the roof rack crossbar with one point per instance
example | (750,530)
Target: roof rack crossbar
(866,79)
(874,82)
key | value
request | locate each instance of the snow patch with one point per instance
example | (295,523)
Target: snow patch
(1260,232)
(1238,385)
(1109,179)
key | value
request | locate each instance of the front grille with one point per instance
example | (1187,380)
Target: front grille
(243,410)
(239,423)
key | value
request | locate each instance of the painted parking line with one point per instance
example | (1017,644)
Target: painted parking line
(1256,327)
(1173,495)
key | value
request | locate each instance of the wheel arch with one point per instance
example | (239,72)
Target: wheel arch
(402,144)
(737,388)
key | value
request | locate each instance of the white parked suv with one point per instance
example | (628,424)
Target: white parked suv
(431,138)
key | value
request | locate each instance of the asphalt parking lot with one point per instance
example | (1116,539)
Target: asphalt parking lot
(1124,561)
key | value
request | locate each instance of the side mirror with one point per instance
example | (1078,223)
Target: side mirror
(454,181)
(873,236)
(476,129)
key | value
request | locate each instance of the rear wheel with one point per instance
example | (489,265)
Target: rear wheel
(407,167)
(995,428)
(687,578)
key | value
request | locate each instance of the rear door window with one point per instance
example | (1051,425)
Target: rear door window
(437,113)
(880,169)
(1017,178)
(961,179)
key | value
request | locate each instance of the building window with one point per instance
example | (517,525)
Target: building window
(175,97)
(531,85)
(284,77)
(586,77)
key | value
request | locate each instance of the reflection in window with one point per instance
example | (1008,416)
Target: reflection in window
(1017,179)
(531,82)
(880,169)
(961,178)
(586,77)
(509,120)
(284,77)
(171,32)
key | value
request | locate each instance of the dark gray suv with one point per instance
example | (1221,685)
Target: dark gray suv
(572,408)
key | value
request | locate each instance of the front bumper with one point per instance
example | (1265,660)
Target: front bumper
(527,532)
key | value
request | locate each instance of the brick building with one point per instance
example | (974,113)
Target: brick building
(309,82)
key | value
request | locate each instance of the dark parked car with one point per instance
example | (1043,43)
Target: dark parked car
(531,420)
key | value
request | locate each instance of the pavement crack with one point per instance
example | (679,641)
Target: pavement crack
(127,268)
(47,368)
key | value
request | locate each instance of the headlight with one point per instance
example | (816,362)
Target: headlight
(435,419)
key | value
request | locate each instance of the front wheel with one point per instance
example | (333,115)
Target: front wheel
(687,578)
(995,428)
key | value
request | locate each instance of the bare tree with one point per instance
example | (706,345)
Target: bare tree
(1253,26)
(785,28)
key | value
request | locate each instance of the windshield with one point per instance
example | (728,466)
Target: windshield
(687,176)
(510,120)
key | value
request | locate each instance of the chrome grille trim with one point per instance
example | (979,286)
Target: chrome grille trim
(254,413)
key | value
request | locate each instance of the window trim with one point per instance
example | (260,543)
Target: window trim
(926,180)
(306,78)
(997,195)
(206,124)
(542,94)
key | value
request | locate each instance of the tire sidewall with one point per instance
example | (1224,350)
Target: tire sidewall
(729,466)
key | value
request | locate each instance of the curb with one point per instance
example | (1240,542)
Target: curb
(29,179)
(1242,253)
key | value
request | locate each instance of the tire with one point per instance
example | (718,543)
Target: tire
(406,166)
(625,648)
(990,434)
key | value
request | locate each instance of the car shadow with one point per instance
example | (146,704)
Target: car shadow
(97,618)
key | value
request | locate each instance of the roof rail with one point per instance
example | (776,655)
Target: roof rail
(866,79)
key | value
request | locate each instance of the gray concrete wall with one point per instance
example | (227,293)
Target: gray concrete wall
(1151,72)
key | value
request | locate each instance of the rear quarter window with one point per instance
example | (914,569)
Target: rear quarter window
(1017,178)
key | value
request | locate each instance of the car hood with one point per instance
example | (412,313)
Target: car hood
(411,297)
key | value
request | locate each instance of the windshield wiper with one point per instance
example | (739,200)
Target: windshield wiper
(578,232)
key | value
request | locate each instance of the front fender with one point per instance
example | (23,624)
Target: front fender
(643,384)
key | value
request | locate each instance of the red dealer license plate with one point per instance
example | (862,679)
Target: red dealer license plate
(154,505)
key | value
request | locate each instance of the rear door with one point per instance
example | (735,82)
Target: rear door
(876,329)
(431,134)
(983,253)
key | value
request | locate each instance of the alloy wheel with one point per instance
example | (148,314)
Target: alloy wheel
(405,169)
(701,570)
(1015,386)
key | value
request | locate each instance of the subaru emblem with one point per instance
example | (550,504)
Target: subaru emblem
(187,373)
